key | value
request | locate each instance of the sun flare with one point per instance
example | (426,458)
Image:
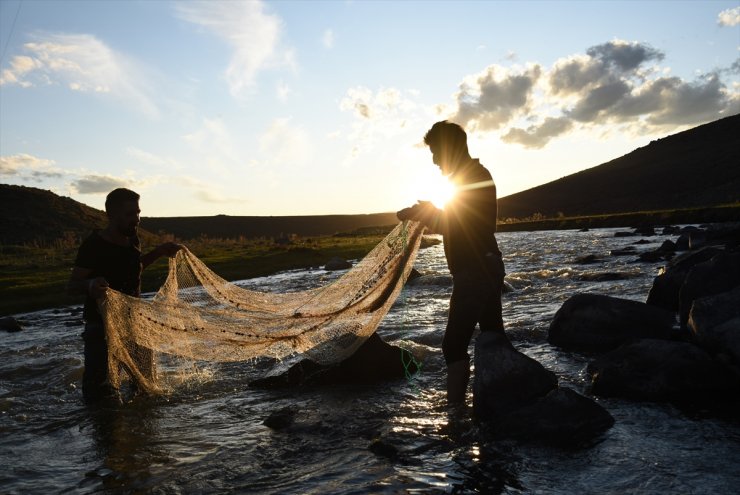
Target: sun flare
(437,189)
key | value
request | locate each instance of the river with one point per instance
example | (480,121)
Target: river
(210,437)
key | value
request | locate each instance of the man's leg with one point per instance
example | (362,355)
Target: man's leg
(465,308)
(95,376)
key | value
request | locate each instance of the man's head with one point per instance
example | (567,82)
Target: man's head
(449,146)
(122,207)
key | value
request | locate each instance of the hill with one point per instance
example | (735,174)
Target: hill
(223,226)
(695,168)
(28,214)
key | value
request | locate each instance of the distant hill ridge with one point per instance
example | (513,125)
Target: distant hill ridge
(695,168)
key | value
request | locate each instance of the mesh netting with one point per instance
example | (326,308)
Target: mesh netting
(198,316)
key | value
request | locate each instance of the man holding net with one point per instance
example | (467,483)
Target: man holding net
(110,258)
(468,225)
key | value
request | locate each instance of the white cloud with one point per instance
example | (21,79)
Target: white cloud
(493,97)
(29,168)
(729,17)
(251,32)
(148,158)
(617,82)
(285,144)
(98,184)
(82,63)
(327,39)
(283,91)
(537,136)
(384,113)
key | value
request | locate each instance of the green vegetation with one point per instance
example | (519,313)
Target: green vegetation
(712,214)
(35,277)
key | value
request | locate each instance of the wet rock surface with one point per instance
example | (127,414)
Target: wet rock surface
(594,322)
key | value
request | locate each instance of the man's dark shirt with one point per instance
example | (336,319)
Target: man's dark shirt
(120,266)
(471,221)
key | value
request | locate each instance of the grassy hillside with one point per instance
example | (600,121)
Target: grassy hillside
(695,168)
(229,227)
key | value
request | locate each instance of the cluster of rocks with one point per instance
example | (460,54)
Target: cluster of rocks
(690,238)
(683,343)
(515,397)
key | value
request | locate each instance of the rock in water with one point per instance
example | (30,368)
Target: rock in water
(661,370)
(10,324)
(666,287)
(505,379)
(594,322)
(375,360)
(714,322)
(337,264)
(719,274)
(563,417)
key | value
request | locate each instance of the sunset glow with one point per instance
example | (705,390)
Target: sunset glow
(313,111)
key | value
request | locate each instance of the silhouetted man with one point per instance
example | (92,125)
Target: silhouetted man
(468,225)
(109,258)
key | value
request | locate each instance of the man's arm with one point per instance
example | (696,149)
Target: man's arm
(167,249)
(81,283)
(425,212)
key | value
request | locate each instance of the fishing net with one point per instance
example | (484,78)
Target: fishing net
(197,316)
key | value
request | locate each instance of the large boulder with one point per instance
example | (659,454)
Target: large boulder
(666,286)
(724,233)
(662,370)
(375,360)
(10,324)
(562,417)
(714,322)
(719,274)
(505,379)
(593,322)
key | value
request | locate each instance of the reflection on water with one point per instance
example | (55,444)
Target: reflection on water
(387,438)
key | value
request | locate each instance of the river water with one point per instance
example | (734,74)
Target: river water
(210,437)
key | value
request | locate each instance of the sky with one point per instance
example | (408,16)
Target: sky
(301,107)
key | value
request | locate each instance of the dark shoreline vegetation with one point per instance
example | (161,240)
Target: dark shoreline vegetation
(35,273)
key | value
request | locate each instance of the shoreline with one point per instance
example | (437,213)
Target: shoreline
(35,278)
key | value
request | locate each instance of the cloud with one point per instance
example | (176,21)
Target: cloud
(148,158)
(625,56)
(83,63)
(492,98)
(286,144)
(617,82)
(29,168)
(251,32)
(327,39)
(282,91)
(538,136)
(98,184)
(383,113)
(729,17)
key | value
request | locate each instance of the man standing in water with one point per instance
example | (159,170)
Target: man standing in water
(468,225)
(109,258)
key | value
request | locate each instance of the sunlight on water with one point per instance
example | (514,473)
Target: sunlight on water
(209,437)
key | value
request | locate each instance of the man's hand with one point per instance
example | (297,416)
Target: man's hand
(169,249)
(422,211)
(97,287)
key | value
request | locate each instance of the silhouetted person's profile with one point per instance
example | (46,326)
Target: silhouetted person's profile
(110,258)
(468,225)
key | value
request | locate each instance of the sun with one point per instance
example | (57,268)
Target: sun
(437,189)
